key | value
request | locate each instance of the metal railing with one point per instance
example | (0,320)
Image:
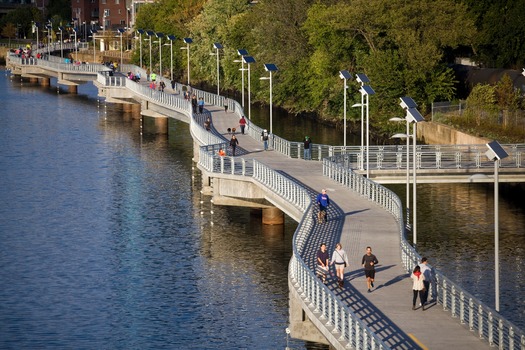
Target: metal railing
(480,318)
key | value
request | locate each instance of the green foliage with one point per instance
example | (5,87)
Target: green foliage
(507,96)
(23,17)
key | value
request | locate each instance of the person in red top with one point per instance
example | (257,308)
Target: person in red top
(242,124)
(221,152)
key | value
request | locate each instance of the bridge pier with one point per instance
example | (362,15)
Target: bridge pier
(272,216)
(72,89)
(33,80)
(45,81)
(300,325)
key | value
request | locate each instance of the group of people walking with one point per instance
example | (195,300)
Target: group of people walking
(340,261)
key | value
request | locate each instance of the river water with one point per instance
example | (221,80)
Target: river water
(107,242)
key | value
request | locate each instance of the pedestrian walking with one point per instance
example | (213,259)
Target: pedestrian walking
(418,287)
(194,103)
(323,262)
(242,124)
(340,259)
(427,273)
(162,86)
(173,82)
(233,144)
(307,152)
(207,124)
(221,152)
(323,201)
(369,263)
(225,105)
(264,138)
(201,105)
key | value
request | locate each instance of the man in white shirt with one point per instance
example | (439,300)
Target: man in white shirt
(426,271)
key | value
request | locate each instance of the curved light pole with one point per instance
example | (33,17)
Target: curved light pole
(140,31)
(187,41)
(496,153)
(345,75)
(270,67)
(217,47)
(160,36)
(249,60)
(242,53)
(407,136)
(171,38)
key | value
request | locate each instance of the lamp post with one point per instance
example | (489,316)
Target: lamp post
(93,32)
(496,153)
(270,67)
(366,90)
(412,116)
(160,36)
(121,31)
(150,33)
(242,53)
(75,30)
(187,41)
(171,38)
(362,79)
(217,47)
(249,60)
(61,41)
(345,75)
(49,28)
(141,31)
(407,136)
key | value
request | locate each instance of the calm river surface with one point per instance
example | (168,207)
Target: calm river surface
(107,243)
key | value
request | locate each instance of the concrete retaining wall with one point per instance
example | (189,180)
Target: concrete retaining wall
(438,134)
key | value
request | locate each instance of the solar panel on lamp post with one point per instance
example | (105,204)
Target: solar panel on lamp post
(242,53)
(217,47)
(367,90)
(345,75)
(249,60)
(187,41)
(270,67)
(496,153)
(413,116)
(150,33)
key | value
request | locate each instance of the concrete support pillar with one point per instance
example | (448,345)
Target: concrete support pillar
(126,107)
(73,89)
(45,81)
(135,110)
(272,216)
(161,125)
(300,326)
(33,80)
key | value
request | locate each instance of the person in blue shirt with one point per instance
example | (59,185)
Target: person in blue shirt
(324,201)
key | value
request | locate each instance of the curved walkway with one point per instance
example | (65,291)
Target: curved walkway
(388,309)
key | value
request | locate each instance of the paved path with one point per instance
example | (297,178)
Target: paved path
(388,309)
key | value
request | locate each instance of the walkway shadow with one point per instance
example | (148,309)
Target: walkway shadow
(378,322)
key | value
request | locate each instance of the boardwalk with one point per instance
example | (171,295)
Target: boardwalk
(357,222)
(388,309)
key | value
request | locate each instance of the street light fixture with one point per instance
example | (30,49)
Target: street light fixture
(75,30)
(121,31)
(187,41)
(413,116)
(141,31)
(242,53)
(249,60)
(217,47)
(345,75)
(171,38)
(49,29)
(61,41)
(270,67)
(496,153)
(366,90)
(150,33)
(407,136)
(362,79)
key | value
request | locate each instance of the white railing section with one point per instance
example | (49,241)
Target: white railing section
(480,318)
(107,79)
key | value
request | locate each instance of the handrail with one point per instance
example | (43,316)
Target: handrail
(480,318)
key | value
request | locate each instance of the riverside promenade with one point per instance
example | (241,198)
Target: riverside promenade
(357,223)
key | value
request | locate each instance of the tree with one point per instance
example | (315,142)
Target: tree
(9,30)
